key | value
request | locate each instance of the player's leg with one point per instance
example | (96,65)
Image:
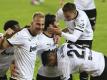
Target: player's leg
(92,14)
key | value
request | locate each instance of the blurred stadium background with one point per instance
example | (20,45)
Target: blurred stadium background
(22,10)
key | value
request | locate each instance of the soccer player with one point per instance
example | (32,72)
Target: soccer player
(45,72)
(71,58)
(26,42)
(78,26)
(89,7)
(7,55)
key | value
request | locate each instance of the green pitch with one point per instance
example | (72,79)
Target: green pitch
(22,10)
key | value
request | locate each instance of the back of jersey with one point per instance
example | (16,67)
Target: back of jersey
(84,59)
(84,4)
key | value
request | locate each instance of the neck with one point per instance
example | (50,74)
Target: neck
(31,32)
(48,34)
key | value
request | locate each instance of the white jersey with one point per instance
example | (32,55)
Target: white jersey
(25,53)
(81,23)
(85,4)
(45,43)
(74,58)
(6,58)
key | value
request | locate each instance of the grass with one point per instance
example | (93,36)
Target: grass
(22,10)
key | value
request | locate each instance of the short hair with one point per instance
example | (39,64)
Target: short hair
(10,24)
(49,19)
(39,14)
(69,7)
(45,55)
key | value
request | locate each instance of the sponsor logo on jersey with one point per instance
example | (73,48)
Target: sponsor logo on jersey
(33,48)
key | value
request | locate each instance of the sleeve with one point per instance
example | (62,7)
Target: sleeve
(59,15)
(81,24)
(16,40)
(64,64)
(72,37)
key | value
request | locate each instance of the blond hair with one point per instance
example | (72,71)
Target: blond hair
(39,14)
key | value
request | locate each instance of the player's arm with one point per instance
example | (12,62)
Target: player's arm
(5,44)
(3,41)
(80,26)
(1,37)
(79,29)
(16,40)
(72,37)
(61,2)
(59,15)
(12,69)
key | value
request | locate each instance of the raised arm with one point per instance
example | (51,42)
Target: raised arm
(3,41)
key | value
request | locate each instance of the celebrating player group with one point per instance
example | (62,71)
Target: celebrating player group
(20,46)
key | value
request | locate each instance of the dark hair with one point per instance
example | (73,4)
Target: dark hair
(10,24)
(49,19)
(69,7)
(45,55)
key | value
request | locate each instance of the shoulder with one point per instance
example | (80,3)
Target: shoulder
(81,19)
(59,10)
(81,14)
(59,13)
(22,34)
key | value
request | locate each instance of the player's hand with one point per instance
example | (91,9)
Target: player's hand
(9,32)
(13,70)
(1,37)
(1,40)
(56,31)
(65,30)
(56,39)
